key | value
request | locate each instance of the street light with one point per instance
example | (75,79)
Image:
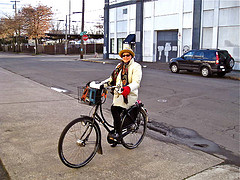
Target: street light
(66,41)
(71,21)
(75,30)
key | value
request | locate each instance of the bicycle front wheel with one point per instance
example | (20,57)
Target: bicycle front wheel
(133,134)
(79,142)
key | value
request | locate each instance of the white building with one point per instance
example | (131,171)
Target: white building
(158,30)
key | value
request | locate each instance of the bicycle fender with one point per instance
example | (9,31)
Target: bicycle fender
(99,151)
(145,112)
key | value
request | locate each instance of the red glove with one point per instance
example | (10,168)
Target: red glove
(126,91)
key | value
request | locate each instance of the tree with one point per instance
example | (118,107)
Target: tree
(10,30)
(37,20)
(7,29)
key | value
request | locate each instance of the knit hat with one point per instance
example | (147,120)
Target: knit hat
(126,50)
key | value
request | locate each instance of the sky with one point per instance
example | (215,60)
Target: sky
(60,8)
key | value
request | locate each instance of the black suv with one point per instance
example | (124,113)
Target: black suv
(205,61)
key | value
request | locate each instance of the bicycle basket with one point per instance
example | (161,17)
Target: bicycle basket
(89,95)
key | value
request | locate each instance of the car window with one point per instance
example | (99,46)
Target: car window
(223,54)
(188,55)
(198,55)
(209,55)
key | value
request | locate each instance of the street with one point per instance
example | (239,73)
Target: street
(202,113)
(208,106)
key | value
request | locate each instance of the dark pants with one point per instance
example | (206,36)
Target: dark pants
(116,111)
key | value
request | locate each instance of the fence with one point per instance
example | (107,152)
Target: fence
(55,49)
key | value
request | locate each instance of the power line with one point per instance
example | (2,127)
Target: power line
(6,3)
(95,10)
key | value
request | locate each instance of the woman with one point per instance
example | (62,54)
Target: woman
(128,75)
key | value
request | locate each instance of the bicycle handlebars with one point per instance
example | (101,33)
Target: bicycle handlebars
(101,86)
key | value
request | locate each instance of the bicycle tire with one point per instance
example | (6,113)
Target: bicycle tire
(133,135)
(79,142)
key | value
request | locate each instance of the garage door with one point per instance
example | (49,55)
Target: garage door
(166,45)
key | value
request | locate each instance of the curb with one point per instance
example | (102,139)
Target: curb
(95,61)
(3,172)
(233,78)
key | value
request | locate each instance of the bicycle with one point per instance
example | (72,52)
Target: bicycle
(80,140)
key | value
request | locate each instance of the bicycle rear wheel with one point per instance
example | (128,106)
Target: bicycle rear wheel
(133,134)
(79,142)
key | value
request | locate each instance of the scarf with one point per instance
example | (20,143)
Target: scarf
(124,76)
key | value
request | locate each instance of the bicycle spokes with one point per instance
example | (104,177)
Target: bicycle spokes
(79,143)
(133,134)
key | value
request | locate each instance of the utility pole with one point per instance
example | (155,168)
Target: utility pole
(106,30)
(66,41)
(15,6)
(16,39)
(82,28)
(69,18)
(66,32)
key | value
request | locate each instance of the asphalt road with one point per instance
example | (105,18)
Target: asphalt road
(202,113)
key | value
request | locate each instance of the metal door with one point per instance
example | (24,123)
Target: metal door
(166,45)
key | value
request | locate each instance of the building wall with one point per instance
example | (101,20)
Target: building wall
(120,25)
(220,26)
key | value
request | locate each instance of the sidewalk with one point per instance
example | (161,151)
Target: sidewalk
(32,117)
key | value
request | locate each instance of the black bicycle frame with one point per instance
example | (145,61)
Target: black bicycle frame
(100,118)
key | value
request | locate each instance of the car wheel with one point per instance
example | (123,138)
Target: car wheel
(206,72)
(221,74)
(174,68)
(231,63)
